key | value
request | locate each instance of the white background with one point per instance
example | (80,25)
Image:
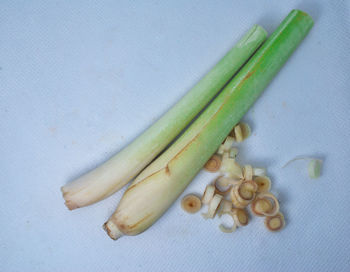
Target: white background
(80,79)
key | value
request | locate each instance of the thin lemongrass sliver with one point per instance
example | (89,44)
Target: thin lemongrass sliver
(208,194)
(248,172)
(259,171)
(213,206)
(225,206)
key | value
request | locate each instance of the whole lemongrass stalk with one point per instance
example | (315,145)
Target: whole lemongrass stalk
(161,183)
(120,169)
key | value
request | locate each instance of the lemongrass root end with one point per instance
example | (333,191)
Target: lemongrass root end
(112,230)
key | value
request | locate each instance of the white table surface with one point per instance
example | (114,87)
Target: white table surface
(80,79)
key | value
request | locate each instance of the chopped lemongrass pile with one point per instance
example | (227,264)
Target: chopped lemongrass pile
(314,166)
(238,187)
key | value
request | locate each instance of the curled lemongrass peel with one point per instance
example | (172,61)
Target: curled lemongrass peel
(213,164)
(230,229)
(275,223)
(191,203)
(264,184)
(314,166)
(213,206)
(162,182)
(240,217)
(208,194)
(120,169)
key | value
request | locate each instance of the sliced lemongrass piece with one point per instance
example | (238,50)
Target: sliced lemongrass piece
(230,167)
(228,143)
(228,229)
(214,164)
(191,203)
(238,133)
(230,181)
(225,206)
(260,206)
(233,152)
(247,189)
(275,204)
(264,183)
(208,194)
(221,150)
(259,171)
(221,186)
(248,172)
(213,206)
(234,199)
(240,216)
(275,223)
(245,130)
(314,168)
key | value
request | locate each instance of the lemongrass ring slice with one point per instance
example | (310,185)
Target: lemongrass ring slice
(275,223)
(221,187)
(213,206)
(225,206)
(226,229)
(264,184)
(191,203)
(213,164)
(246,190)
(241,217)
(235,201)
(273,199)
(208,194)
(259,171)
(238,133)
(248,172)
(260,206)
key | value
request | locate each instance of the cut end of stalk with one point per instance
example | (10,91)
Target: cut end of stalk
(71,205)
(112,230)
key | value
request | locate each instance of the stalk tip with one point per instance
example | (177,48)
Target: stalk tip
(112,230)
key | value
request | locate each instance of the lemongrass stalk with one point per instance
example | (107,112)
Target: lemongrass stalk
(120,169)
(161,183)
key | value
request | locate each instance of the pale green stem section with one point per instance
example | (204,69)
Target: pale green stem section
(120,169)
(160,184)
